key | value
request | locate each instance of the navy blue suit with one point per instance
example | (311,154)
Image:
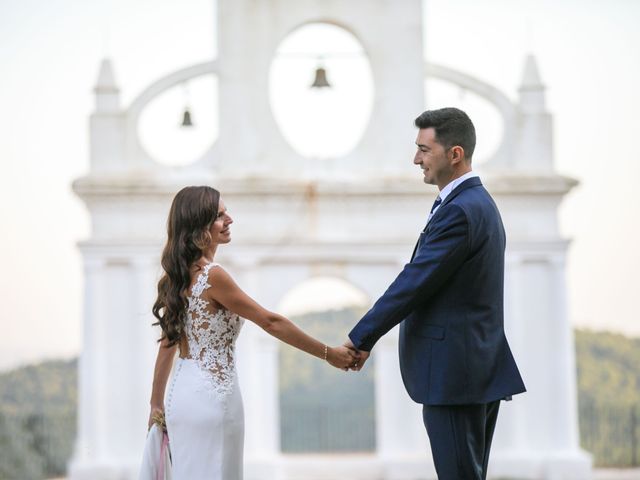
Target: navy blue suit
(449,303)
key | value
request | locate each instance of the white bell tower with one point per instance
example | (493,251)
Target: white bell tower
(340,213)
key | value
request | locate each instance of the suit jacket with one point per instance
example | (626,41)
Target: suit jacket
(449,302)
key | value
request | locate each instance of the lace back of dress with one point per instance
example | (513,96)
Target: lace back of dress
(211,334)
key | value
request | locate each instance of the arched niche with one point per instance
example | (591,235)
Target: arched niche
(321,122)
(322,409)
(160,125)
(195,87)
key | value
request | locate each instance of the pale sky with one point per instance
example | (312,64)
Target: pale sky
(50,52)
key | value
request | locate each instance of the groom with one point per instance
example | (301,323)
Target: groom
(454,357)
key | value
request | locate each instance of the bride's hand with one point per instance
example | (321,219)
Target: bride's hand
(154,412)
(342,357)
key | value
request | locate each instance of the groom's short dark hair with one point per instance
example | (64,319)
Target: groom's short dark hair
(452,126)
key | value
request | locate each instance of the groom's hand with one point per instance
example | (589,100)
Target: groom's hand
(362,356)
(342,357)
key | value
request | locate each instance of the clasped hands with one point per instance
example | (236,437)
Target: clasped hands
(347,357)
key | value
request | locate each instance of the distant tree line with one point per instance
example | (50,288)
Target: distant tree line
(37,420)
(609,397)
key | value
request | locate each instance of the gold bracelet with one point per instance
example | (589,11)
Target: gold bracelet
(326,351)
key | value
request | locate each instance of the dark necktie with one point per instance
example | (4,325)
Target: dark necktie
(436,204)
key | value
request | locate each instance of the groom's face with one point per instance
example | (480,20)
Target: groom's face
(432,158)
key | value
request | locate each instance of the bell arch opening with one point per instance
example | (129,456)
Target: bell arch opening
(179,126)
(321,90)
(323,409)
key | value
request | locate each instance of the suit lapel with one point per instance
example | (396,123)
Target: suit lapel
(471,182)
(415,249)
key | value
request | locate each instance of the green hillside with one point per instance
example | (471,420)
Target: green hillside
(37,419)
(608,368)
(609,397)
(40,388)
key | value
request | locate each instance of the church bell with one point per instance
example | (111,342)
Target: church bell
(186,118)
(320,80)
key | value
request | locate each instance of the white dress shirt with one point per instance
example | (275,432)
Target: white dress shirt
(444,193)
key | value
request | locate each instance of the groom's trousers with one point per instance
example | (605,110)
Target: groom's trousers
(460,437)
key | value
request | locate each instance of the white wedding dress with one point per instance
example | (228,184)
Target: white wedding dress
(203,405)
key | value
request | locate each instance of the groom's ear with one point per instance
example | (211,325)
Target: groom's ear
(456,155)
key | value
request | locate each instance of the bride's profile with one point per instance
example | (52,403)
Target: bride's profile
(200,310)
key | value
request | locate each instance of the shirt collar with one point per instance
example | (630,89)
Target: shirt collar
(444,193)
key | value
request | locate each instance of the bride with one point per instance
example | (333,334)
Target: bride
(201,310)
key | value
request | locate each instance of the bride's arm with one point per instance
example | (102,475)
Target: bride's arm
(164,362)
(226,292)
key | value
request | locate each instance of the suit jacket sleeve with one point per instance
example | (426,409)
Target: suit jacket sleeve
(443,250)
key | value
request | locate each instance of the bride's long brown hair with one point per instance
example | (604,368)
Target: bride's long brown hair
(192,212)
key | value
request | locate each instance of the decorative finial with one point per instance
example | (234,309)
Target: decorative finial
(532,90)
(106,79)
(534,147)
(106,91)
(531,77)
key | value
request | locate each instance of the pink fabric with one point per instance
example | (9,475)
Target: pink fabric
(161,460)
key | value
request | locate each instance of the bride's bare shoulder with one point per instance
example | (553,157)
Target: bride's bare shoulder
(220,278)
